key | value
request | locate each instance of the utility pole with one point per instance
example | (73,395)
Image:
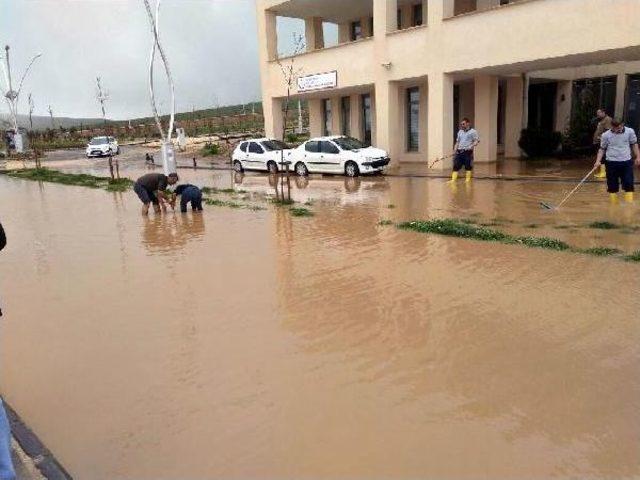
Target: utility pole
(53,126)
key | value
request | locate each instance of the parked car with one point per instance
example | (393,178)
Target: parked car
(100,146)
(263,154)
(339,155)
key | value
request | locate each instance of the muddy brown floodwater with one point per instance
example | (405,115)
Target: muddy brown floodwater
(255,345)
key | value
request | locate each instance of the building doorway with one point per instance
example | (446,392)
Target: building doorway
(542,106)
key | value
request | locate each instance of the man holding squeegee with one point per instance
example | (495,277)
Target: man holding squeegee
(615,148)
(466,141)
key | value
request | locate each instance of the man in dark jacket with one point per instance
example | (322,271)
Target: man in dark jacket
(189,193)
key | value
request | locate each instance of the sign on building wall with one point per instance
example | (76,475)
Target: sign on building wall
(319,81)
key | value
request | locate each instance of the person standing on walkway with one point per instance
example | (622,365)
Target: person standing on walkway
(466,141)
(6,466)
(615,149)
(604,124)
(150,189)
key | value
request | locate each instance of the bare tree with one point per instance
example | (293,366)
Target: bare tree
(102,96)
(34,146)
(12,95)
(290,75)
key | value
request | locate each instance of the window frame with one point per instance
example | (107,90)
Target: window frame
(261,150)
(413,131)
(335,148)
(309,143)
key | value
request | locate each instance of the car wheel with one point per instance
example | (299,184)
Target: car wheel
(301,169)
(351,169)
(237,166)
(272,167)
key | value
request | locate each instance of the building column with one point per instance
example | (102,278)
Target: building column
(387,116)
(268,31)
(385,16)
(486,117)
(621,89)
(356,116)
(273,117)
(437,10)
(440,118)
(315,117)
(513,117)
(344,32)
(313,33)
(563,105)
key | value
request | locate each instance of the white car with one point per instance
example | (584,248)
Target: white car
(339,155)
(263,154)
(100,146)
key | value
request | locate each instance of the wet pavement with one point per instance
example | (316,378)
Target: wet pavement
(253,344)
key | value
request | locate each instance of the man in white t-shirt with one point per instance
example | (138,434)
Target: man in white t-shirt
(466,141)
(616,147)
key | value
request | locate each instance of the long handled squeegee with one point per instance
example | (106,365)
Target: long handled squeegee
(551,207)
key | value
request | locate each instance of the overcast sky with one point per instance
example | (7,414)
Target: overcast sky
(211,46)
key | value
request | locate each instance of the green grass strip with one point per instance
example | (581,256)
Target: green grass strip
(601,251)
(301,212)
(75,179)
(603,225)
(634,257)
(455,228)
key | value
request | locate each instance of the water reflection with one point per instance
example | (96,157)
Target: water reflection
(166,233)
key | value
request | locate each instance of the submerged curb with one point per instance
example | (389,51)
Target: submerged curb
(41,457)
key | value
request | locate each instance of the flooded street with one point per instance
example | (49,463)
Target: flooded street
(252,344)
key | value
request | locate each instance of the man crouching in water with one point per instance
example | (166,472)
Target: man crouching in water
(188,194)
(150,189)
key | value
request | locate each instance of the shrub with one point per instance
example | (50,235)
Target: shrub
(210,149)
(539,143)
(292,138)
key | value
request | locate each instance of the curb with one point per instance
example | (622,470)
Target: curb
(41,457)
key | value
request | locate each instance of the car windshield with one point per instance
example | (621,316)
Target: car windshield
(273,145)
(98,141)
(348,143)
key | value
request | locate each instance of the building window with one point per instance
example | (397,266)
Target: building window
(345,116)
(593,93)
(366,119)
(417,15)
(632,102)
(399,19)
(356,31)
(413,119)
(326,117)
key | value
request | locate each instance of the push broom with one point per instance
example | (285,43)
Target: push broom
(551,207)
